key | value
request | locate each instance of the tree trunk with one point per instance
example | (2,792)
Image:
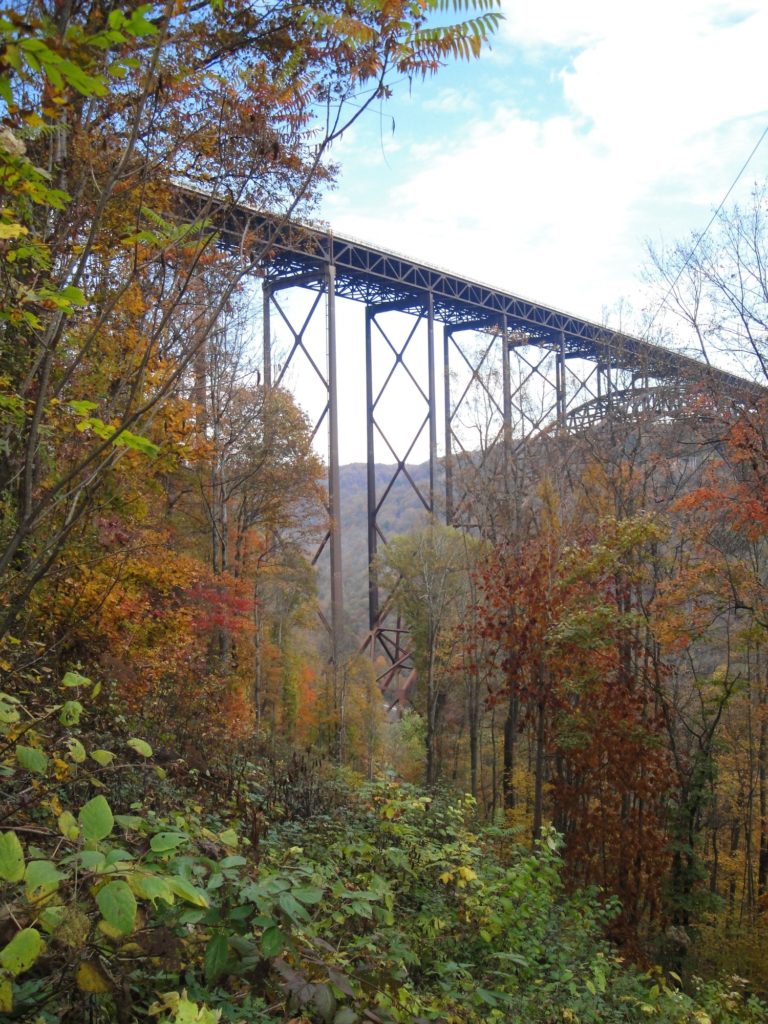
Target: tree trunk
(538,781)
(510,739)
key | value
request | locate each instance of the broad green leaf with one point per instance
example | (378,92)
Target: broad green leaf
(229,837)
(216,956)
(127,439)
(118,905)
(164,841)
(129,821)
(141,747)
(273,942)
(235,861)
(346,1015)
(31,758)
(68,825)
(96,818)
(82,408)
(11,857)
(150,887)
(118,856)
(292,907)
(76,750)
(8,712)
(92,860)
(41,878)
(70,713)
(181,887)
(102,757)
(74,678)
(73,295)
(138,25)
(22,951)
(307,894)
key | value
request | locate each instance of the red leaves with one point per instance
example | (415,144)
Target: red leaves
(222,603)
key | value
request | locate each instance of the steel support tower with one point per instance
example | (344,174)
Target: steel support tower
(526,366)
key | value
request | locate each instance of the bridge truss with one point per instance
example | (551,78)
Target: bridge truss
(480,365)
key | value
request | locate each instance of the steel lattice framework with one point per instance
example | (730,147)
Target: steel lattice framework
(527,367)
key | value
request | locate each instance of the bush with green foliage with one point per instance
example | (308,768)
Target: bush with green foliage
(125,900)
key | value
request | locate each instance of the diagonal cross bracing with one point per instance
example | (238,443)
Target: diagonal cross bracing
(552,370)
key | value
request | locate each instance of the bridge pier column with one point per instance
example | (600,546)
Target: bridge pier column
(560,397)
(373,582)
(506,383)
(267,333)
(448,464)
(431,391)
(334,487)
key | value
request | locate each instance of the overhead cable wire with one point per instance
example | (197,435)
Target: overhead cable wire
(700,238)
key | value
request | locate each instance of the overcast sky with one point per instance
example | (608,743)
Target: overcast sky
(589,128)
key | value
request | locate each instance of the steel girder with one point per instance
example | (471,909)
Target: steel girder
(531,367)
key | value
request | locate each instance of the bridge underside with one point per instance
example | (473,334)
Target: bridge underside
(484,368)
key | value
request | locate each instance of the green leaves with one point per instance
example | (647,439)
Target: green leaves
(68,826)
(308,894)
(9,711)
(74,678)
(150,887)
(181,887)
(96,818)
(165,841)
(140,746)
(216,957)
(31,758)
(70,713)
(273,942)
(118,906)
(292,907)
(102,757)
(42,878)
(11,857)
(121,437)
(22,951)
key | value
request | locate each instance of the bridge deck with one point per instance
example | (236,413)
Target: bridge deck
(297,252)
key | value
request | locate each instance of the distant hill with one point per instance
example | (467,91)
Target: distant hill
(401,512)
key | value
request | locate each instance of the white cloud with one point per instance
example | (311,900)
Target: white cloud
(451,101)
(660,106)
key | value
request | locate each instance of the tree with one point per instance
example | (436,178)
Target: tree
(428,575)
(104,299)
(716,285)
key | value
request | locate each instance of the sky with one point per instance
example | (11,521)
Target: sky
(545,167)
(588,128)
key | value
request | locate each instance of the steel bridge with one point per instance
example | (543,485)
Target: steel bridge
(485,365)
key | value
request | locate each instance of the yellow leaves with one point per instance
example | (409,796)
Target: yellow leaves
(8,231)
(461,875)
(90,978)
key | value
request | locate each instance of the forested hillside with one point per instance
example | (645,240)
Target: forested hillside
(201,818)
